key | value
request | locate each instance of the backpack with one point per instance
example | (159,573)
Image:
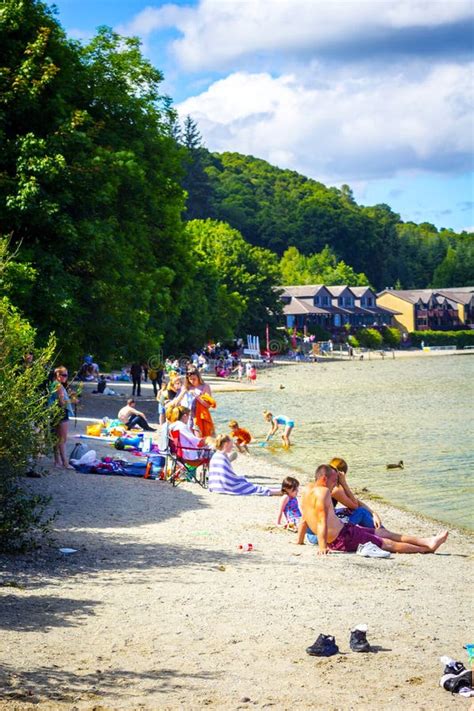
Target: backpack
(78,451)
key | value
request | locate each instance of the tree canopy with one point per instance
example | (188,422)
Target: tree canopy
(131,237)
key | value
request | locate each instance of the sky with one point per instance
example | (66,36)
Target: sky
(376,94)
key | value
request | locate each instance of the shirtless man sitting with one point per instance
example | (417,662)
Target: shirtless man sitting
(333,535)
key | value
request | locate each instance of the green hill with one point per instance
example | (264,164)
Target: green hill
(277,209)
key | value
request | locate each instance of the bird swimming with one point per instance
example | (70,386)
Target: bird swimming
(400,465)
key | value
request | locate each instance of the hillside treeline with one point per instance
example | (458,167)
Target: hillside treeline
(128,238)
(277,209)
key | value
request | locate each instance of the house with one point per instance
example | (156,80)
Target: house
(332,307)
(430,309)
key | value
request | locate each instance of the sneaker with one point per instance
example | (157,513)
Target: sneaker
(370,550)
(325,646)
(451,666)
(455,682)
(358,641)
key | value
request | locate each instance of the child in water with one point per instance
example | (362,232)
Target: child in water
(241,436)
(282,420)
(289,507)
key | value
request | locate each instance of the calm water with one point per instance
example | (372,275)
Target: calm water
(373,413)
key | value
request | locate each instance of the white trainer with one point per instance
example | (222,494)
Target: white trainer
(370,550)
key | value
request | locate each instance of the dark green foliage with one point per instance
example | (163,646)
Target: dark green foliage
(24,420)
(442,338)
(279,209)
(195,179)
(90,187)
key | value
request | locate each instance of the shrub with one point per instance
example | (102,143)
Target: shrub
(391,336)
(352,341)
(443,338)
(369,338)
(24,428)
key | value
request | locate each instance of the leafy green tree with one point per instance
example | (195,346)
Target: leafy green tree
(248,271)
(91,187)
(321,268)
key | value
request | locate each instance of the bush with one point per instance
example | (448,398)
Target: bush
(24,428)
(443,338)
(391,336)
(369,338)
(352,341)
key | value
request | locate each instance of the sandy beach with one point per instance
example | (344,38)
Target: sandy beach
(158,609)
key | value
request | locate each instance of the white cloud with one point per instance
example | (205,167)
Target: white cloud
(346,129)
(217,32)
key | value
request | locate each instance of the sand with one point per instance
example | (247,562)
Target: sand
(158,609)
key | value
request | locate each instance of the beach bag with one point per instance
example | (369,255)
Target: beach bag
(78,451)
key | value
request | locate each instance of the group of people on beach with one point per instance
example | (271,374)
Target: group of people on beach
(328,513)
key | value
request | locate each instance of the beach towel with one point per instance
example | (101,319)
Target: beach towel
(203,417)
(223,479)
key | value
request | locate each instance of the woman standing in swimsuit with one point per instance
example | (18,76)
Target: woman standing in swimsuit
(277,422)
(60,396)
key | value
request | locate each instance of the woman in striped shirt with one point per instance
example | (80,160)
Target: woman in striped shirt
(223,479)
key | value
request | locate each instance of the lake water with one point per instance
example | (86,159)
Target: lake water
(373,413)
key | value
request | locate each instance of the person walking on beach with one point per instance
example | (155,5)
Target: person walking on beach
(333,535)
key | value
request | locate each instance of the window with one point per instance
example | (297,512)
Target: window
(370,301)
(349,301)
(317,300)
(340,301)
(326,300)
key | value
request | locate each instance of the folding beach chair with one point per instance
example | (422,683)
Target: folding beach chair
(184,469)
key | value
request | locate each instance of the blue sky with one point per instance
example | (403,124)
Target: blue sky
(373,93)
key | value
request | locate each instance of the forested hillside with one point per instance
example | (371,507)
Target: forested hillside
(128,238)
(277,209)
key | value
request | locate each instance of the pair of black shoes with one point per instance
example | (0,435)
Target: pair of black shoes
(456,677)
(325,645)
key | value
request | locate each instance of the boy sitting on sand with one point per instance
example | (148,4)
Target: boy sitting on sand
(319,516)
(241,436)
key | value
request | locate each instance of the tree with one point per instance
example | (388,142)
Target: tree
(24,419)
(195,180)
(91,187)
(321,268)
(248,271)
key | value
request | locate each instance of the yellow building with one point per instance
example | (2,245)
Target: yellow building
(430,309)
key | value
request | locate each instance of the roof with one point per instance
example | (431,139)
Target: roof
(359,291)
(414,295)
(298,307)
(461,297)
(337,290)
(307,291)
